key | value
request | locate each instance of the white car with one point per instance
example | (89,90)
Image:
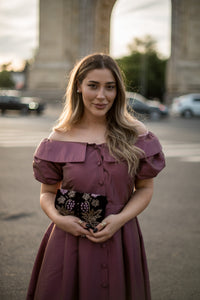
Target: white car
(186,106)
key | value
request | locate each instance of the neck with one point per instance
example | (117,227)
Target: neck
(93,122)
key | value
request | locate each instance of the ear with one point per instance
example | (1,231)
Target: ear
(79,88)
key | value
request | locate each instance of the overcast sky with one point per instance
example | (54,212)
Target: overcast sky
(130,19)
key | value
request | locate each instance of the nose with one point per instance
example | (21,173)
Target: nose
(101,93)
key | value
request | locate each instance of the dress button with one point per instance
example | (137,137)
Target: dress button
(98,163)
(104,285)
(101,182)
(104,266)
(103,245)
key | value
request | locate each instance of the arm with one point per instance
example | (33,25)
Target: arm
(67,223)
(137,203)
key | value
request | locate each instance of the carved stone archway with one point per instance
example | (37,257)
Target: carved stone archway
(71,29)
(68,30)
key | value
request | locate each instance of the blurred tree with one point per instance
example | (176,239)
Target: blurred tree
(143,45)
(144,68)
(5,77)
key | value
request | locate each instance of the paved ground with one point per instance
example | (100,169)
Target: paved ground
(170,224)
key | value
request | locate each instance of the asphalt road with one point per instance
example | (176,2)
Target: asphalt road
(170,225)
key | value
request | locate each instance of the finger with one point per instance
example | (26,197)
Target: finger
(88,226)
(82,224)
(100,234)
(101,225)
(84,232)
(95,239)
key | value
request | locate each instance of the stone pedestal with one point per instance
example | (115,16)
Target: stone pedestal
(183,73)
(68,30)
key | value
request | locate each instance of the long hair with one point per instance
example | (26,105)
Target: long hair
(121,134)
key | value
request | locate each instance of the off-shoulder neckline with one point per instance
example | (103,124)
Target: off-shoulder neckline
(73,142)
(87,143)
(144,134)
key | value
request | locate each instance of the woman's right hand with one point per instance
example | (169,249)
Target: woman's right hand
(73,225)
(69,224)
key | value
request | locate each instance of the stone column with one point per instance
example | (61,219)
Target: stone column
(103,10)
(183,72)
(68,30)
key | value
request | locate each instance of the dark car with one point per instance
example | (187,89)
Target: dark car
(23,104)
(140,106)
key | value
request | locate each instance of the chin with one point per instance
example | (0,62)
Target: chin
(100,115)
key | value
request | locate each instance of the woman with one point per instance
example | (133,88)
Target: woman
(96,147)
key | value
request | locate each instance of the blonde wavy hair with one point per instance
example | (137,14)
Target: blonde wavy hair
(121,134)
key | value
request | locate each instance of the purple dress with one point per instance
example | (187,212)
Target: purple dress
(74,268)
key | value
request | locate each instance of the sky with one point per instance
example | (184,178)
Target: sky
(130,19)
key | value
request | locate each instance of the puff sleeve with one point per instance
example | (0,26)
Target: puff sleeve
(45,168)
(152,160)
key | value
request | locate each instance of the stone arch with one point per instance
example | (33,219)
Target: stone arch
(69,30)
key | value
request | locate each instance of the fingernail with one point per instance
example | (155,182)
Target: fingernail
(95,230)
(88,226)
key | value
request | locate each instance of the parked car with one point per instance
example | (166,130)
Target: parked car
(141,106)
(23,104)
(186,106)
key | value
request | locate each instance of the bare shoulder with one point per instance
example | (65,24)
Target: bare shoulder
(140,127)
(58,136)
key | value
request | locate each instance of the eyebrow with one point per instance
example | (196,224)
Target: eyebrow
(109,82)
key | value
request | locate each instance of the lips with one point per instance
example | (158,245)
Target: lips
(100,106)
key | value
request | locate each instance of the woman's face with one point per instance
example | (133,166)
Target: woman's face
(98,92)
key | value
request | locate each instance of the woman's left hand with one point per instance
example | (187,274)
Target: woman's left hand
(106,229)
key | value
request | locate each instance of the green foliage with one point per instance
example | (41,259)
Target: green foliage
(6,80)
(5,77)
(144,45)
(143,69)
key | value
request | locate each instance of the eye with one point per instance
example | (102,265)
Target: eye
(92,85)
(111,87)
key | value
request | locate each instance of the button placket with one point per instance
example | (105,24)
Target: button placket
(100,166)
(104,283)
(104,266)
